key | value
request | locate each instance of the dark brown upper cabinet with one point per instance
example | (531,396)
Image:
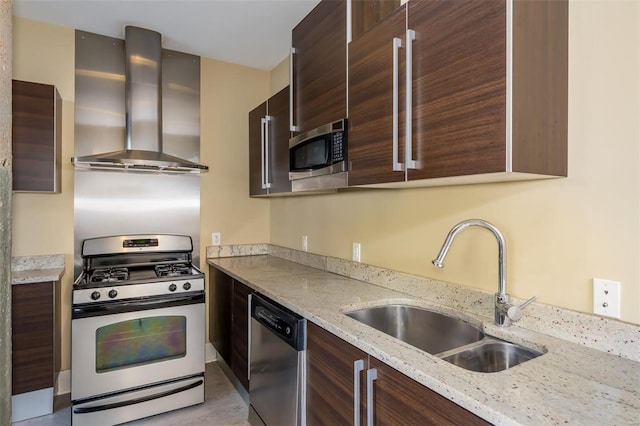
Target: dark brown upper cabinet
(479,94)
(36,126)
(365,14)
(269,146)
(319,67)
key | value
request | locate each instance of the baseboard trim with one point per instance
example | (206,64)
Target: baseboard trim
(63,382)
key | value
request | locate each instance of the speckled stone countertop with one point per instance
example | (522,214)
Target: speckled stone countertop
(570,384)
(36,269)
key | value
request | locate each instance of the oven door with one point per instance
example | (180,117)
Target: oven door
(121,345)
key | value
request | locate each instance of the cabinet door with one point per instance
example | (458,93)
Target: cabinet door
(399,399)
(330,378)
(256,150)
(459,87)
(371,114)
(320,66)
(279,135)
(36,126)
(220,295)
(32,316)
(240,333)
(365,14)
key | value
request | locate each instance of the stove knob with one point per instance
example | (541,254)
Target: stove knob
(95,295)
(173,287)
(112,293)
(186,285)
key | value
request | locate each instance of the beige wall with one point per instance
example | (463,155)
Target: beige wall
(43,223)
(560,233)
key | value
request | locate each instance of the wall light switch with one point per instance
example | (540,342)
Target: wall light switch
(606,297)
(216,238)
(304,243)
(355,254)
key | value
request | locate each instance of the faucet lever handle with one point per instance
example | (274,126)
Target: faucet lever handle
(515,312)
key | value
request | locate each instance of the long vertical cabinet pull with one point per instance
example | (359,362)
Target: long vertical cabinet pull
(263,130)
(267,156)
(358,366)
(372,374)
(397,44)
(292,126)
(249,338)
(411,163)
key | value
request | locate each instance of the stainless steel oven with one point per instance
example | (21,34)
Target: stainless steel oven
(137,329)
(318,158)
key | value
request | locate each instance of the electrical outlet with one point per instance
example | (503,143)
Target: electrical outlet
(216,238)
(355,253)
(606,297)
(304,243)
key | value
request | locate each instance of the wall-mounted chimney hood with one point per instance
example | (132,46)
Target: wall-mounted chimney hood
(143,94)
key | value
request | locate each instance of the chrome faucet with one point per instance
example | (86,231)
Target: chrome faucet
(504,311)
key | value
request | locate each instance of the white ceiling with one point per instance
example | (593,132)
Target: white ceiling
(254,33)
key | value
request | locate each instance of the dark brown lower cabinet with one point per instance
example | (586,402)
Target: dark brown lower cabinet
(33,351)
(228,322)
(240,332)
(333,368)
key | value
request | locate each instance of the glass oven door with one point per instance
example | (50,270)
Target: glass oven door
(124,345)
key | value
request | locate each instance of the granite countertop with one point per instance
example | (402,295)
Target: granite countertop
(569,384)
(35,269)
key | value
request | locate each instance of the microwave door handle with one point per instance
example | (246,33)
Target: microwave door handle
(411,163)
(397,44)
(267,148)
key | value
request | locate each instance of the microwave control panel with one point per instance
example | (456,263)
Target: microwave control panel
(339,151)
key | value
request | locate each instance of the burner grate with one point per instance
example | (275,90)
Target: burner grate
(109,275)
(173,270)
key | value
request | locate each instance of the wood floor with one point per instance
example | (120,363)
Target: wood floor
(223,406)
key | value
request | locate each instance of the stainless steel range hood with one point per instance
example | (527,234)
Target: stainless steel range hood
(143,93)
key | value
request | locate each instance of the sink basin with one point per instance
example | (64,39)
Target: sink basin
(430,331)
(491,356)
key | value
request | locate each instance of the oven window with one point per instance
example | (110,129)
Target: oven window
(140,341)
(311,155)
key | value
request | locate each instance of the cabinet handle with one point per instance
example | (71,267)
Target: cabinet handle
(249,336)
(358,366)
(267,156)
(372,374)
(263,126)
(292,126)
(397,166)
(411,163)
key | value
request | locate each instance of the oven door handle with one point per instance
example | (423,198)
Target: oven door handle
(99,309)
(85,410)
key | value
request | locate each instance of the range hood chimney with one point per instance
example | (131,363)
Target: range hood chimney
(143,94)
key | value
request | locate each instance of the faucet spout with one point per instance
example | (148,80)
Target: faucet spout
(502,299)
(502,256)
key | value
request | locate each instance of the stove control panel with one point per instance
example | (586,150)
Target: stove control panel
(133,291)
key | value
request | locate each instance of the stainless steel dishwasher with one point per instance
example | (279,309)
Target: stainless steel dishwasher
(277,365)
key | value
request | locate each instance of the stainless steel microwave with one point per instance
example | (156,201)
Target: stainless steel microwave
(318,158)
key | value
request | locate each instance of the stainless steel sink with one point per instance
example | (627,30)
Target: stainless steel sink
(491,356)
(430,331)
(446,337)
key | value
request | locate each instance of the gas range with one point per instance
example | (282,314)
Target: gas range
(129,267)
(137,329)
